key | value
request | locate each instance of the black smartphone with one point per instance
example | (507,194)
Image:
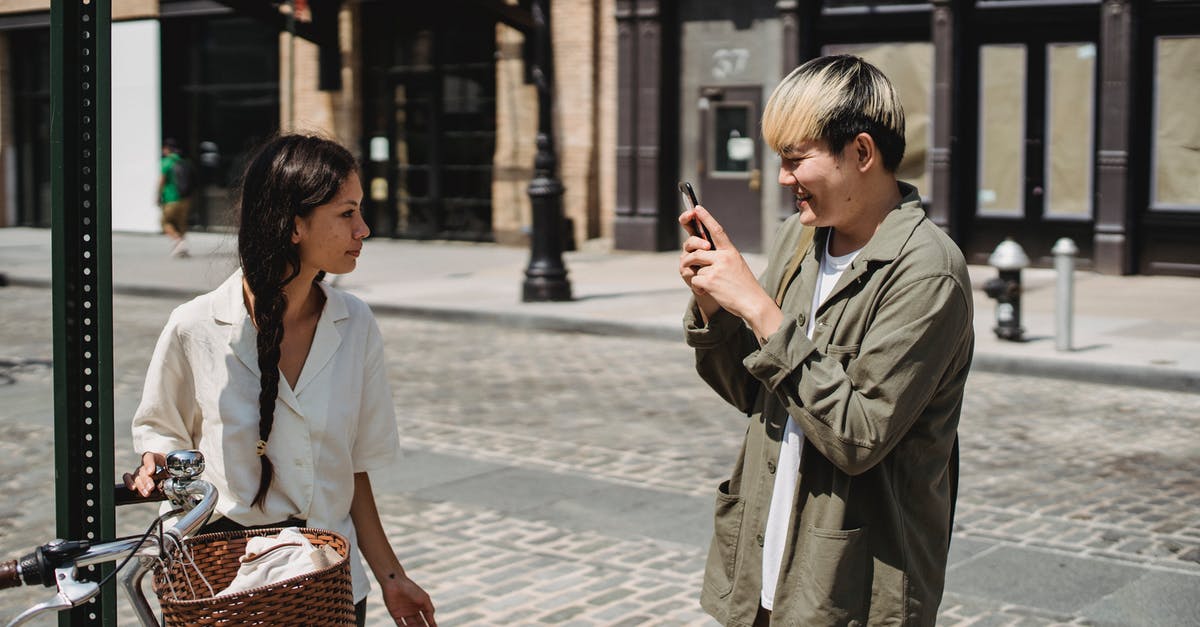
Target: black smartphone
(690,201)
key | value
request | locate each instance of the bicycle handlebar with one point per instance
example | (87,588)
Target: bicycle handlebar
(124,496)
(64,556)
(10,574)
(36,567)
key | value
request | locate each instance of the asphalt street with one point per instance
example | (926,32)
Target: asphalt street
(562,478)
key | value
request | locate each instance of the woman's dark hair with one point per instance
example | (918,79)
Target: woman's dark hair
(288,177)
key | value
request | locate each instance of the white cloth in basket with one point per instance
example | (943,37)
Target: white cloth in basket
(271,559)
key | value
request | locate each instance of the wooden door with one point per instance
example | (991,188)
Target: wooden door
(730,163)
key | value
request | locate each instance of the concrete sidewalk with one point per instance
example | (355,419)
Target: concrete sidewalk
(1138,330)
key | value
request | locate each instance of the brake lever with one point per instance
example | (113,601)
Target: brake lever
(71,593)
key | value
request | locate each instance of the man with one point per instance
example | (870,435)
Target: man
(850,356)
(173,197)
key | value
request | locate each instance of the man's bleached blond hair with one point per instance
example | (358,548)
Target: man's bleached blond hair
(832,99)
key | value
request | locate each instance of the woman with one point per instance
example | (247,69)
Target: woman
(279,379)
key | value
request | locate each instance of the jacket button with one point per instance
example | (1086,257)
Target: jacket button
(800,318)
(759,539)
(771,467)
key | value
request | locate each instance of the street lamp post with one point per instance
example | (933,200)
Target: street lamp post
(546,275)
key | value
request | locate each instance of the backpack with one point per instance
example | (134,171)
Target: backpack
(181,172)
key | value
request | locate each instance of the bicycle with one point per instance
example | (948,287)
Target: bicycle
(58,561)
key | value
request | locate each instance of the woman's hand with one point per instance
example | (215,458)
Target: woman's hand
(144,479)
(406,602)
(721,279)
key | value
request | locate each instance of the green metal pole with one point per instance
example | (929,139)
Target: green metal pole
(80,70)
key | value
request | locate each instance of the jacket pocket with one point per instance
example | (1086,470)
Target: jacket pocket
(843,354)
(834,577)
(722,553)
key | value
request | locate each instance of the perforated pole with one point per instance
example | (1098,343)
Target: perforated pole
(82,253)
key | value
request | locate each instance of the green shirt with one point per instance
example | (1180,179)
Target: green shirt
(170,193)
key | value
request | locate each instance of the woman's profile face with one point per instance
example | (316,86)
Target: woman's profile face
(330,238)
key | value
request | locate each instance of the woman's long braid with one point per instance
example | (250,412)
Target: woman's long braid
(266,274)
(268,316)
(289,177)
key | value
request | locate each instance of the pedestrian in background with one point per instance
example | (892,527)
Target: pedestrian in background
(279,379)
(850,355)
(174,196)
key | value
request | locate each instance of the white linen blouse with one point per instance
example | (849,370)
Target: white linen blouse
(201,392)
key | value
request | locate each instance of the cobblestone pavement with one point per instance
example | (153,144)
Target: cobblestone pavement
(1049,470)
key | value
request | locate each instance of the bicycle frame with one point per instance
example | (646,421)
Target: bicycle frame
(182,490)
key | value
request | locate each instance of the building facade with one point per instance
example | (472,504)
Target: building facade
(1034,120)
(434,98)
(1030,119)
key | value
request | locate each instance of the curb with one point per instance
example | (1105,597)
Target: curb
(541,322)
(125,290)
(1149,377)
(1152,377)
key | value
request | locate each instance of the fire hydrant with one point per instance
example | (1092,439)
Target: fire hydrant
(1009,258)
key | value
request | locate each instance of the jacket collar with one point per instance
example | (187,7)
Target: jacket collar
(229,309)
(883,247)
(893,232)
(896,227)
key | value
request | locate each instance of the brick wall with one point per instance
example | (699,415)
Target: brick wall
(121,9)
(575,74)
(516,129)
(584,122)
(332,113)
(24,6)
(584,52)
(298,88)
(134,9)
(606,118)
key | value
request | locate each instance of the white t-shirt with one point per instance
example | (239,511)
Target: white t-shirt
(202,390)
(787,470)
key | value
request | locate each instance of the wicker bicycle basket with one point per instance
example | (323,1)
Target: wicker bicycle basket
(323,597)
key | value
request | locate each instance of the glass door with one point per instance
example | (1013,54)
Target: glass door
(430,122)
(220,101)
(1034,177)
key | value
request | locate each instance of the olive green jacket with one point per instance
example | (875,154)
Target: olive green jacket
(877,393)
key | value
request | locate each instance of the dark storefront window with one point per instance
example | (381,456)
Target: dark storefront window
(429,121)
(29,51)
(220,99)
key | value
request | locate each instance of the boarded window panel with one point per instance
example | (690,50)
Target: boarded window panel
(1069,123)
(1001,130)
(1176,124)
(910,68)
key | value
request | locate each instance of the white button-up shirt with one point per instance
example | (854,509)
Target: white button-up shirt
(202,390)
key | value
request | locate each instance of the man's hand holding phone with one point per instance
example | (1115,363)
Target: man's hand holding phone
(690,202)
(718,274)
